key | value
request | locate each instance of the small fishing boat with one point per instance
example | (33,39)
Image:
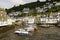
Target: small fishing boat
(22,32)
(26,31)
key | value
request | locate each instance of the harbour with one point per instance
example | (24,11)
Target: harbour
(34,20)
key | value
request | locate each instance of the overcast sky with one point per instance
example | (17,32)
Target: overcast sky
(11,3)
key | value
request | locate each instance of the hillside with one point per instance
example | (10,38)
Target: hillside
(31,5)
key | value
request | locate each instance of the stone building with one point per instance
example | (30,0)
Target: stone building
(3,15)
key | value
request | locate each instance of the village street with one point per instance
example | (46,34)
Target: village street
(52,33)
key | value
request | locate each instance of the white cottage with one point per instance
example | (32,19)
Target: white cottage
(26,10)
(57,4)
(15,13)
(58,16)
(29,20)
(45,7)
(48,20)
(38,9)
(50,5)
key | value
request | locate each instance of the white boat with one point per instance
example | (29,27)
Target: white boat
(46,25)
(31,28)
(27,30)
(22,32)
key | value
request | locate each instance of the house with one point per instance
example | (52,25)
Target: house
(58,15)
(48,20)
(55,15)
(17,13)
(50,5)
(26,10)
(45,7)
(57,4)
(4,18)
(38,9)
(12,14)
(29,20)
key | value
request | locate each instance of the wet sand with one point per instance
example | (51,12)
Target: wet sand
(52,33)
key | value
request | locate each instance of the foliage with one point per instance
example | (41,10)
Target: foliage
(33,5)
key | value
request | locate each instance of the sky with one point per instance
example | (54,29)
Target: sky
(10,3)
